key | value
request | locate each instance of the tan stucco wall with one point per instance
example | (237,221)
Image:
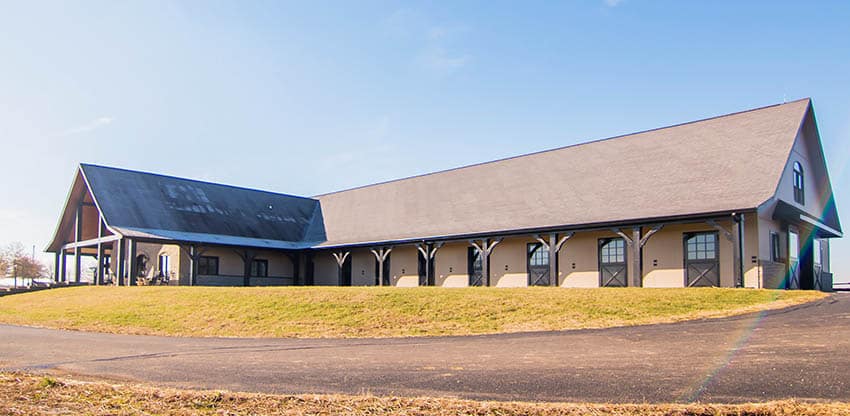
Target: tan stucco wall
(450,265)
(153,251)
(404,267)
(752,269)
(362,268)
(579,259)
(801,152)
(325,271)
(663,255)
(508,263)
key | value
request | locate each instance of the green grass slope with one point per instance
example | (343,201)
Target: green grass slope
(372,311)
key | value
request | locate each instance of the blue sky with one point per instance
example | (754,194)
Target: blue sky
(312,97)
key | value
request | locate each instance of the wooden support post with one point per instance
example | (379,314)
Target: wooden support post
(247,257)
(485,247)
(309,270)
(636,243)
(637,254)
(98,271)
(134,264)
(193,265)
(295,259)
(78,235)
(381,255)
(553,246)
(296,268)
(63,274)
(340,262)
(194,254)
(738,246)
(56,268)
(120,249)
(429,252)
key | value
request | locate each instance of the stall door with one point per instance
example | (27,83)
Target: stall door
(702,262)
(817,253)
(474,267)
(612,262)
(537,265)
(793,281)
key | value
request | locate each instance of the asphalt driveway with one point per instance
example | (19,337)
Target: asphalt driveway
(801,352)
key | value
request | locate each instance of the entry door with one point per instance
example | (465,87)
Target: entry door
(817,260)
(538,265)
(474,267)
(612,262)
(423,279)
(793,260)
(702,260)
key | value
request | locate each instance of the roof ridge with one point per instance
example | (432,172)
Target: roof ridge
(195,180)
(620,136)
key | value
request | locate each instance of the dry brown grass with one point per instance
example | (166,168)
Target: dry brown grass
(26,394)
(352,312)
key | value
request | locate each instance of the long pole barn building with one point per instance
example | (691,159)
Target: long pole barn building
(740,200)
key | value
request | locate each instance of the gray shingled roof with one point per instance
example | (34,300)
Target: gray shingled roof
(722,164)
(726,163)
(139,204)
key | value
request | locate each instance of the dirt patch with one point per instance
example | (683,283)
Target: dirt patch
(27,394)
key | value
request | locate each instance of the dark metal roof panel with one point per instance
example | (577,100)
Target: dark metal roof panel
(146,201)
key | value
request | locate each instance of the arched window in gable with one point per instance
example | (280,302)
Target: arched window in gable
(799,184)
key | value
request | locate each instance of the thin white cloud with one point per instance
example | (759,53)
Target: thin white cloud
(90,126)
(437,46)
(612,3)
(439,60)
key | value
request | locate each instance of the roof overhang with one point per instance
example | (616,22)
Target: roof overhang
(787,212)
(181,237)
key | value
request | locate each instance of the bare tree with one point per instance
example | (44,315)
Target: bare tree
(15,262)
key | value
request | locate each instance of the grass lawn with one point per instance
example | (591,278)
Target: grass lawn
(372,311)
(25,394)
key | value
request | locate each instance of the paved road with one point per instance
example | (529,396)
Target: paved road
(801,352)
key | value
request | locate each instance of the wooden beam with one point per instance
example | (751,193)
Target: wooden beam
(429,251)
(381,255)
(121,261)
(309,270)
(485,247)
(637,256)
(247,257)
(553,246)
(134,264)
(194,253)
(738,246)
(649,234)
(98,271)
(78,235)
(56,267)
(296,268)
(726,233)
(90,242)
(340,258)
